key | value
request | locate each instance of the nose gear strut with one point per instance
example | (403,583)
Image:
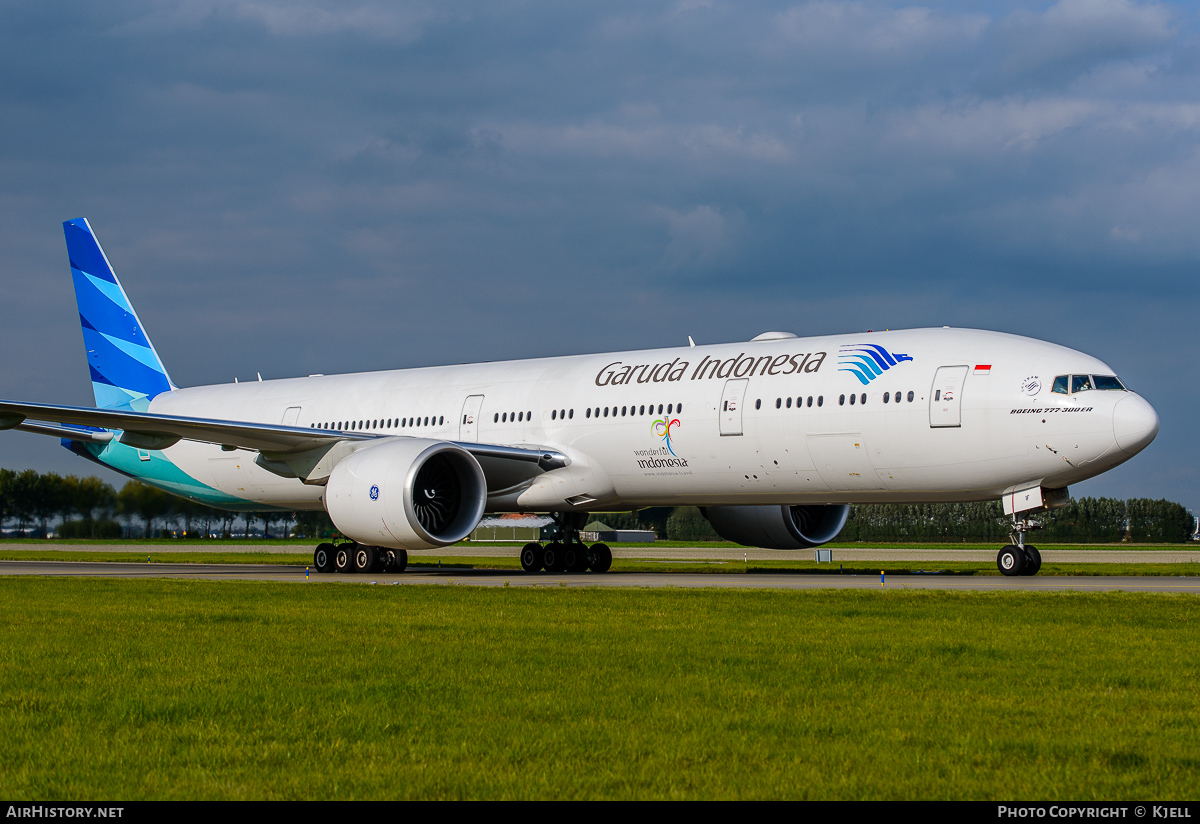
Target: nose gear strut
(1020,558)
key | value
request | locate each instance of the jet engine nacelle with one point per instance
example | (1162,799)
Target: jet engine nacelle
(779,527)
(407,493)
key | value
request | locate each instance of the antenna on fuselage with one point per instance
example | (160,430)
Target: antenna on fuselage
(691,342)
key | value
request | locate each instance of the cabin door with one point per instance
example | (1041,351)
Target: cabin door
(468,422)
(291,416)
(731,406)
(945,399)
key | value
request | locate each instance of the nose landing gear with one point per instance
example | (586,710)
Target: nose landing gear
(1020,558)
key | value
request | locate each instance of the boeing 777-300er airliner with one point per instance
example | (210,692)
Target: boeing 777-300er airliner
(773,438)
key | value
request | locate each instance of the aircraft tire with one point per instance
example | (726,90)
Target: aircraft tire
(343,558)
(531,557)
(323,557)
(599,558)
(1033,560)
(574,558)
(1010,560)
(366,559)
(552,557)
(399,560)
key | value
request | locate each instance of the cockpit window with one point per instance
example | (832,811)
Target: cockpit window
(1060,385)
(1108,382)
(1080,383)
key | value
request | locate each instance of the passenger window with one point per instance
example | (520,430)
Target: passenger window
(553,414)
(937,396)
(820,400)
(1060,385)
(678,409)
(1080,383)
(660,408)
(810,401)
(852,400)
(789,403)
(571,414)
(863,398)
(606,411)
(910,397)
(588,412)
(841,400)
(779,403)
(757,405)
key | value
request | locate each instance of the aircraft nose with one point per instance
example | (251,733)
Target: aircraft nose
(1135,423)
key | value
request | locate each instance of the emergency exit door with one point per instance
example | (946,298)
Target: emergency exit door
(731,406)
(945,399)
(468,421)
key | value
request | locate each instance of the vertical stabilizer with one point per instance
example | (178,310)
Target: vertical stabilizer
(126,371)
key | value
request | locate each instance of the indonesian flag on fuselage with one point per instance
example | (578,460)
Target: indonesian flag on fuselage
(983,369)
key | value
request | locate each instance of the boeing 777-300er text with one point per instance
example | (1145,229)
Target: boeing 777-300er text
(773,438)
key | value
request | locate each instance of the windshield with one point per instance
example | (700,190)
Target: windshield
(1083,383)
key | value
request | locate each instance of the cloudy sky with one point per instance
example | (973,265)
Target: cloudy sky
(298,187)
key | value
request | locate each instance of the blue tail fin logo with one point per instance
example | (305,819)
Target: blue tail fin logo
(126,370)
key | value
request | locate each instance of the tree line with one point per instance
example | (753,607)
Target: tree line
(30,502)
(1084,521)
(90,508)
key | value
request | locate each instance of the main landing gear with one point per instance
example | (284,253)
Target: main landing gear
(360,558)
(1020,558)
(565,552)
(569,557)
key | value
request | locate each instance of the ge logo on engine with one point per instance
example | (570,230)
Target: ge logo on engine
(374,493)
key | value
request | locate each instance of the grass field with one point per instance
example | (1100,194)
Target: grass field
(187,689)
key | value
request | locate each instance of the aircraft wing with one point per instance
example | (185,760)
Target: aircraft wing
(144,430)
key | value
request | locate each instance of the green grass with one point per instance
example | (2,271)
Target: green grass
(189,689)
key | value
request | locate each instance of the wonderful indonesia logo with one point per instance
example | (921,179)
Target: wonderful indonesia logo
(657,458)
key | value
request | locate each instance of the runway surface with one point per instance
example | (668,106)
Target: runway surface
(492,577)
(1107,555)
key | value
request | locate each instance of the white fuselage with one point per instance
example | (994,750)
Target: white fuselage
(1002,427)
